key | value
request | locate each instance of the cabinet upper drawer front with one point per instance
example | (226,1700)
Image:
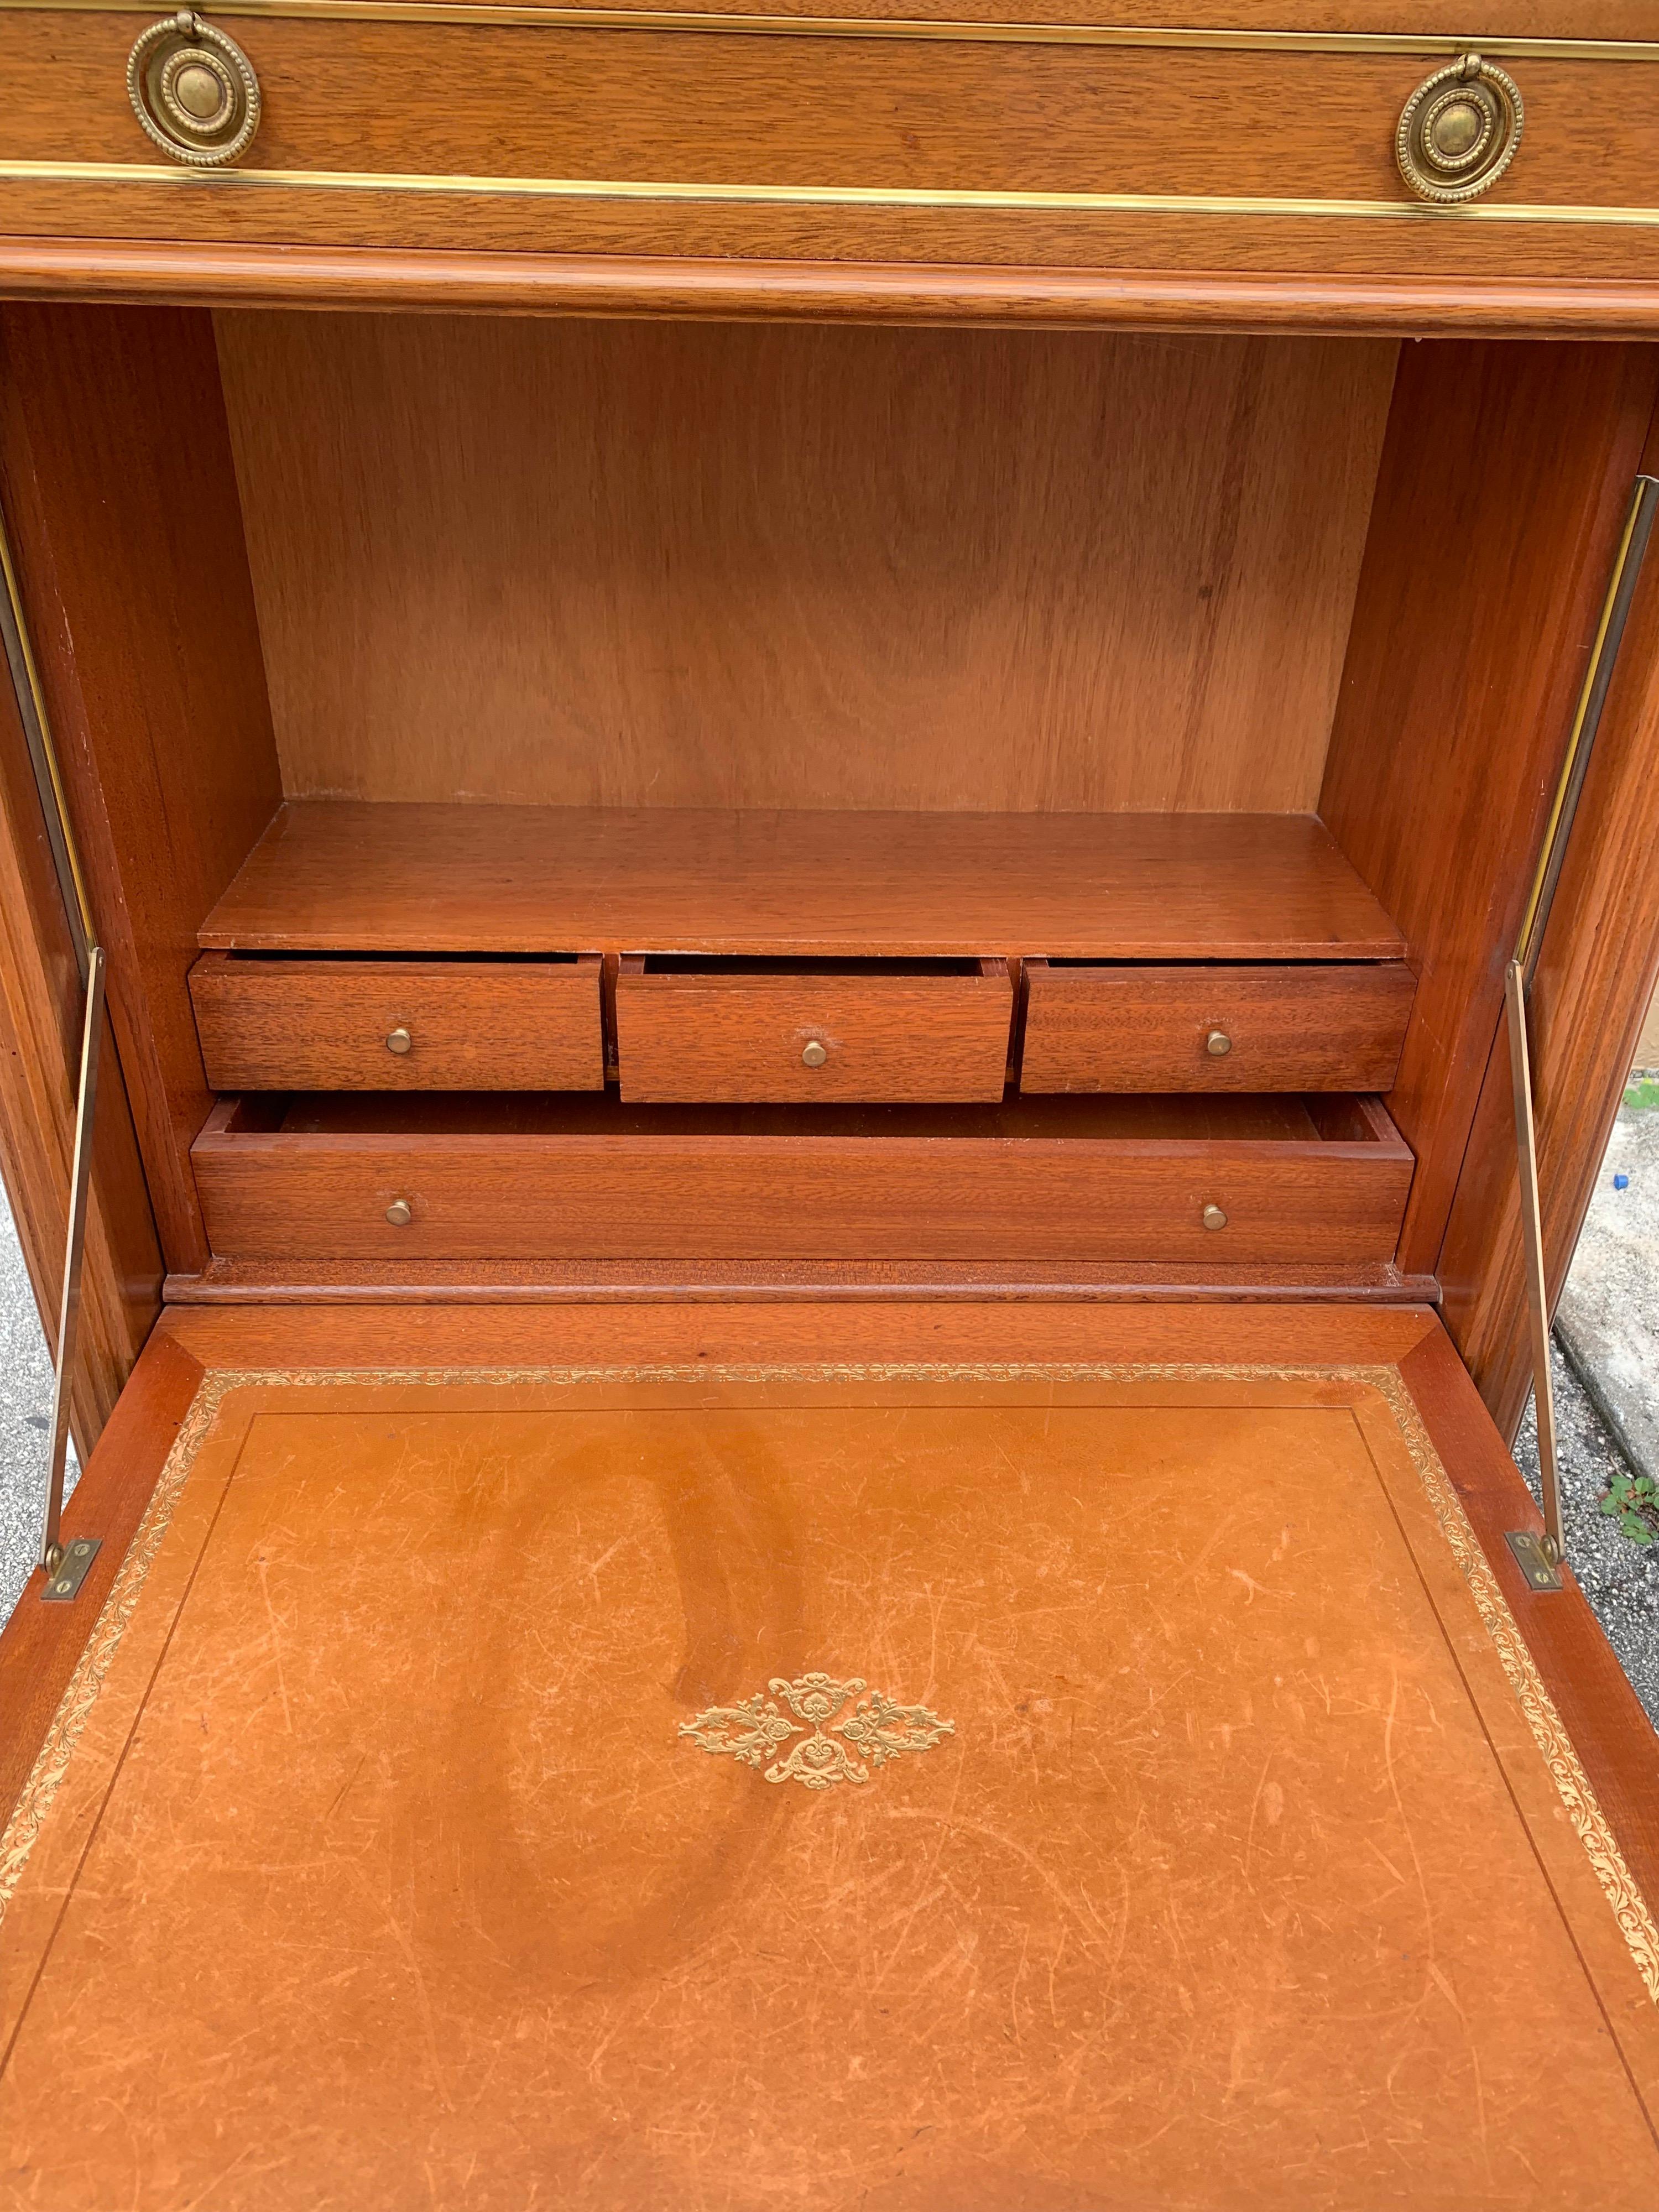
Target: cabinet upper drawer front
(805,139)
(399,1025)
(809,1035)
(1301,1028)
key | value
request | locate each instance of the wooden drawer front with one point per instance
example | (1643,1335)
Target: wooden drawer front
(960,143)
(1307,1184)
(756,1031)
(324,1025)
(1304,1027)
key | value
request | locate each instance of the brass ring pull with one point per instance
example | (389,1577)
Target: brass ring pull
(1459,131)
(194,91)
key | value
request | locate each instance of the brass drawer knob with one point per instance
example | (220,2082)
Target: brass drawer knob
(400,1213)
(1214,1218)
(813,1055)
(401,1042)
(1459,131)
(194,91)
(1217,1044)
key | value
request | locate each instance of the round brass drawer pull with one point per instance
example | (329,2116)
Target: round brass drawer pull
(401,1042)
(1459,131)
(813,1055)
(194,91)
(1217,1044)
(400,1213)
(1214,1218)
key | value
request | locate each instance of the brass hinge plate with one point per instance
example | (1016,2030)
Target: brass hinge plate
(63,1583)
(1533,1560)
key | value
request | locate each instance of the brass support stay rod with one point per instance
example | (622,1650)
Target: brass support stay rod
(1522,967)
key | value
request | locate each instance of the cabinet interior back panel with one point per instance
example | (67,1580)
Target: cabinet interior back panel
(687,565)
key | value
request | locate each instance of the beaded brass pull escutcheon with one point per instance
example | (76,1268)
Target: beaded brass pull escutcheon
(1459,131)
(840,1741)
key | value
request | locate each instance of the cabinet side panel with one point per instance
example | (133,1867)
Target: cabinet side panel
(121,497)
(40,1000)
(1594,983)
(1505,477)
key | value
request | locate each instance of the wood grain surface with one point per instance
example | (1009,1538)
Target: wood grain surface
(1610,1731)
(656,107)
(875,568)
(939,116)
(1594,981)
(323,1024)
(338,876)
(726,290)
(128,542)
(41,1022)
(1305,1028)
(1515,265)
(41,1643)
(1469,648)
(765,1282)
(690,1034)
(1090,1180)
(1443,21)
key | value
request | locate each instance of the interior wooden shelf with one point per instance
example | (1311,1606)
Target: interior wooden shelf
(347,876)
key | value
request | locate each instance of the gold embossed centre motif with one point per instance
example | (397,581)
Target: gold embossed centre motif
(835,1743)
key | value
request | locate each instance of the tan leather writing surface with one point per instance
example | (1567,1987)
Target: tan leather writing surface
(370,1864)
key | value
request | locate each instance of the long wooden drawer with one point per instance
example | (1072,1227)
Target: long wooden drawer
(1296,1027)
(817,1031)
(1067,145)
(349,1025)
(1317,1182)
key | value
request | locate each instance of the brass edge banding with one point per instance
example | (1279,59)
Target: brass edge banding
(53,801)
(1638,522)
(857,196)
(1555,1747)
(500,17)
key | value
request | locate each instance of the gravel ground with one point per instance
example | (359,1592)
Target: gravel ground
(25,1417)
(1609,1322)
(1620,1579)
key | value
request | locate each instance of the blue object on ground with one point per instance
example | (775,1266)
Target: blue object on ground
(1621,1183)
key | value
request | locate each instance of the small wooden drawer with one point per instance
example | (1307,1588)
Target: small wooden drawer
(1336,1026)
(731,1032)
(348,1025)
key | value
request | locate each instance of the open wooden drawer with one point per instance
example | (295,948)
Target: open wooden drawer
(1315,1181)
(907,1734)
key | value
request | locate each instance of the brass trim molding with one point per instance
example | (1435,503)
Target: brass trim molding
(855,195)
(501,16)
(1548,1731)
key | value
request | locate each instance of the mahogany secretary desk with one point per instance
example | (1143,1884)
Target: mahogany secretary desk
(804,756)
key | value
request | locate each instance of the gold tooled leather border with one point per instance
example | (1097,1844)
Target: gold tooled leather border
(1630,1908)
